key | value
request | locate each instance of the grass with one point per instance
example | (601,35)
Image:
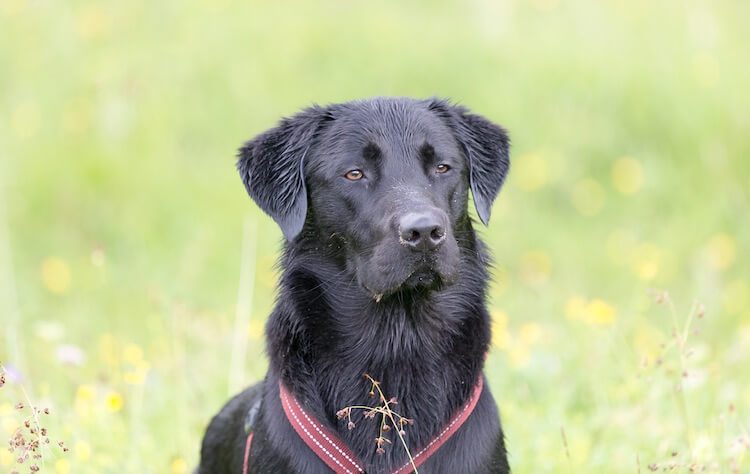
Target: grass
(123,225)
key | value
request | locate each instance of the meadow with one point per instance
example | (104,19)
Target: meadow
(136,274)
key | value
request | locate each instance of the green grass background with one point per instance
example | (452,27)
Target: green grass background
(123,224)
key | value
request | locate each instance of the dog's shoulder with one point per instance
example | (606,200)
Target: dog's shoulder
(223,443)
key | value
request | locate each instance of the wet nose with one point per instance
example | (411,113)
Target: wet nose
(422,230)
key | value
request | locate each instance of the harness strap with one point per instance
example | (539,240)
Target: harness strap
(335,453)
(324,443)
(250,419)
(246,459)
(450,429)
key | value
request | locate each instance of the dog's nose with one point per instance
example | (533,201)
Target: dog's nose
(422,230)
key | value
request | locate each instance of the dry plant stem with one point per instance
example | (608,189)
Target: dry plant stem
(567,451)
(681,339)
(397,427)
(34,414)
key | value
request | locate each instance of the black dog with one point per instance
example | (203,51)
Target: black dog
(383,274)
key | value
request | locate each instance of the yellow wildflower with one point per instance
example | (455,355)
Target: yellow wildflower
(500,334)
(6,458)
(722,251)
(520,349)
(596,312)
(137,375)
(518,355)
(646,261)
(530,172)
(92,22)
(178,466)
(9,425)
(132,354)
(579,445)
(600,313)
(627,175)
(113,402)
(62,466)
(83,451)
(255,329)
(84,401)
(530,333)
(12,7)
(575,308)
(647,342)
(108,350)
(85,393)
(56,275)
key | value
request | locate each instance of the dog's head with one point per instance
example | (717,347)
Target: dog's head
(384,181)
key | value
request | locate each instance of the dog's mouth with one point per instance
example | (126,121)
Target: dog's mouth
(423,279)
(391,270)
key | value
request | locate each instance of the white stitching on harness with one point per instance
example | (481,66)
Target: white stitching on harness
(437,438)
(310,435)
(336,446)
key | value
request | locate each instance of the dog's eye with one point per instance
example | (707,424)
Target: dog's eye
(442,168)
(354,175)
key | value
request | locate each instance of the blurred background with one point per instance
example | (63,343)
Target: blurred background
(136,275)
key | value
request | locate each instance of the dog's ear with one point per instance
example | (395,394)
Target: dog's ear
(487,148)
(272,167)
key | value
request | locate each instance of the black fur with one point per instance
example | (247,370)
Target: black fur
(353,299)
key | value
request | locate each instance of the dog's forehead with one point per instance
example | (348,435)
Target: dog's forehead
(397,127)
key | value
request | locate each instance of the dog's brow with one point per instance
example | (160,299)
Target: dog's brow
(371,152)
(427,152)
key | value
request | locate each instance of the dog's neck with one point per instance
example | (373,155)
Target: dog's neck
(427,349)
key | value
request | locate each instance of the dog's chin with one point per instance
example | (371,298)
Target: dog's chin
(421,281)
(385,273)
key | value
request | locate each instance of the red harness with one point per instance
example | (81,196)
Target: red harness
(334,452)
